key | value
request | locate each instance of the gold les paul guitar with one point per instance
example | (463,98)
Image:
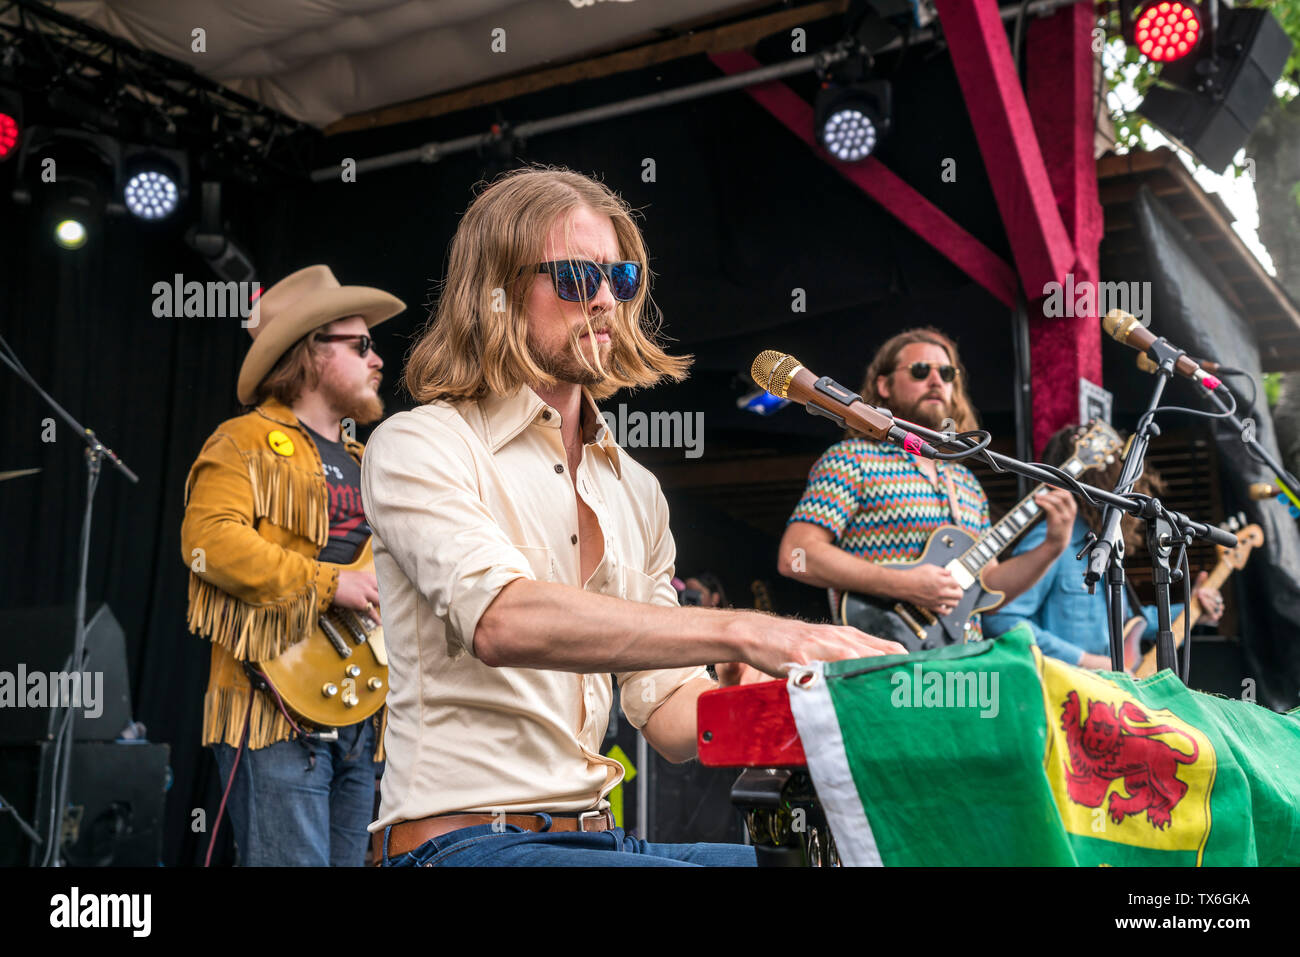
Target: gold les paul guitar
(338,675)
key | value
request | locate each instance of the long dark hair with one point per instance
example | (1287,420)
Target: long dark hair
(1061,446)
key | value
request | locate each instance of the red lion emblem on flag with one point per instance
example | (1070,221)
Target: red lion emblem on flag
(1108,746)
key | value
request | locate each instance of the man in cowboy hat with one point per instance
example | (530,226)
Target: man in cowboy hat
(273,509)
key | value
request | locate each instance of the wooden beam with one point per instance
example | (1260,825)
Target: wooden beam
(731,37)
(1061,102)
(1013,161)
(876,180)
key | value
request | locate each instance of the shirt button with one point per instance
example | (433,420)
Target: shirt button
(546,416)
(573,539)
(559,468)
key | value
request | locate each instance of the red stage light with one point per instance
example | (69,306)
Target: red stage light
(1167,30)
(8,135)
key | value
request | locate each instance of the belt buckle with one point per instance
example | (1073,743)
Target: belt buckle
(586,814)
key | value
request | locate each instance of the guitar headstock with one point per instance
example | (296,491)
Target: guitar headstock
(1097,446)
(762,600)
(1248,537)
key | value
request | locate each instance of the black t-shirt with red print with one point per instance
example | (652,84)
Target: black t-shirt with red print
(348,528)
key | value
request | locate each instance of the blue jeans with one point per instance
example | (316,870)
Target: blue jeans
(515,847)
(303,805)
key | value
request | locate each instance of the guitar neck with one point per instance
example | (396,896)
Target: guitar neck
(1216,579)
(1020,517)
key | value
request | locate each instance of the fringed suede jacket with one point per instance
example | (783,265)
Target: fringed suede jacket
(256,518)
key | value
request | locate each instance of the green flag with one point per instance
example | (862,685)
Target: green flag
(988,753)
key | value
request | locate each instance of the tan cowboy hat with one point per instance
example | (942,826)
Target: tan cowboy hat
(296,305)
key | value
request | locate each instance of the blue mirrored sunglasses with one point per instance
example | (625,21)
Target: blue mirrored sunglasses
(579,280)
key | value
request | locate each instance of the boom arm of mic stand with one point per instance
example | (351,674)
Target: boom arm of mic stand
(1284,478)
(1005,463)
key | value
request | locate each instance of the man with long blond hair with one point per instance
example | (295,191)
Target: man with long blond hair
(870,504)
(523,556)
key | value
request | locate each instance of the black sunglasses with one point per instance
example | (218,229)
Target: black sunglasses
(578,280)
(363,342)
(921,371)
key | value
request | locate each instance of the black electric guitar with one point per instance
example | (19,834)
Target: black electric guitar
(965,558)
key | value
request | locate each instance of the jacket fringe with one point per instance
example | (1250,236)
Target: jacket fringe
(251,632)
(223,718)
(288,496)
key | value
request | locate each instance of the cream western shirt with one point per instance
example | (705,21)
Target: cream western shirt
(463,499)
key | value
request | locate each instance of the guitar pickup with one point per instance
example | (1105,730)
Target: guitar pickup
(353,623)
(903,613)
(331,631)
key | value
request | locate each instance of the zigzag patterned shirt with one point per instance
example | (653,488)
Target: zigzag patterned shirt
(880,506)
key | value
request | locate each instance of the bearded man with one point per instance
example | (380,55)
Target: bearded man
(870,503)
(273,510)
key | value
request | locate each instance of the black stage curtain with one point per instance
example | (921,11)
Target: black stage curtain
(739,214)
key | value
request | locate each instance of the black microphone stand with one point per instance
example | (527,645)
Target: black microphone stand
(1288,482)
(1106,554)
(95,453)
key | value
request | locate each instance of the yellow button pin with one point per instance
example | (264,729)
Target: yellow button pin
(280,443)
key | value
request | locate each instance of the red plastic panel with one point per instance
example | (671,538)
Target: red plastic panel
(748,727)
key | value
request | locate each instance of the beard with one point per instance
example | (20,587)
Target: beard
(351,401)
(564,364)
(930,414)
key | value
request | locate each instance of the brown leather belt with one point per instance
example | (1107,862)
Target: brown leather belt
(409,835)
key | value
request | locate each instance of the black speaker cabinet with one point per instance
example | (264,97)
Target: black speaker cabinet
(1214,124)
(38,642)
(116,797)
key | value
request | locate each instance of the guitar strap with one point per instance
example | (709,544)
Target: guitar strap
(953,507)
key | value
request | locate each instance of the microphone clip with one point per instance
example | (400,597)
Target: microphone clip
(836,392)
(1165,355)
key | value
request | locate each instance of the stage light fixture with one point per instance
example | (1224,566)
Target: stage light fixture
(154,182)
(1168,30)
(70,175)
(208,237)
(1210,103)
(11,123)
(851,120)
(70,233)
(151,195)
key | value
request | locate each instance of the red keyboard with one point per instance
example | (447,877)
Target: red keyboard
(749,726)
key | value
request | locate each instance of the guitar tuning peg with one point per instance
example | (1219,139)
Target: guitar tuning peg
(1232,524)
(1241,519)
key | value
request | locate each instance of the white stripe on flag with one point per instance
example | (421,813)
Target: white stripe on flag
(828,763)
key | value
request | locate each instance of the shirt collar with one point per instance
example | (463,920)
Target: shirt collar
(503,418)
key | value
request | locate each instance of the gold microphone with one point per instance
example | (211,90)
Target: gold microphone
(1126,328)
(784,377)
